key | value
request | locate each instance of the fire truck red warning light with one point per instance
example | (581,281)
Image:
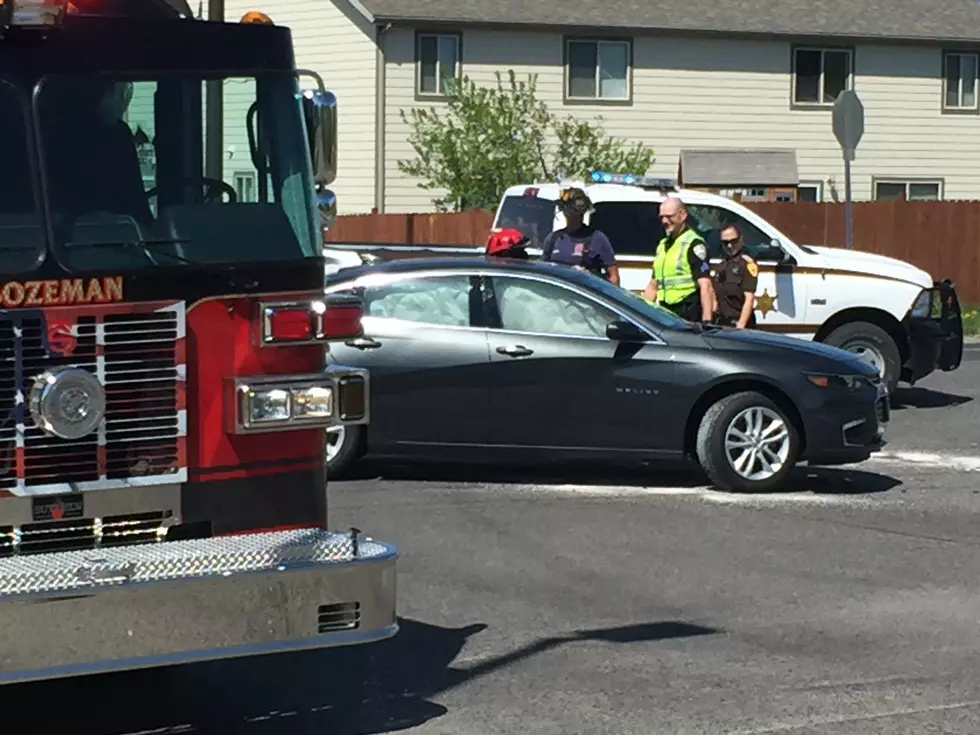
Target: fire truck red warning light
(340,322)
(309,322)
(291,325)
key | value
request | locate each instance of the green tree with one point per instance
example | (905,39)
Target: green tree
(489,138)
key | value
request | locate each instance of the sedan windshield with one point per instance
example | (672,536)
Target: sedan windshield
(637,303)
(126,177)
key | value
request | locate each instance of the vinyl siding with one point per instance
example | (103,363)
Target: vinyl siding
(714,93)
(331,39)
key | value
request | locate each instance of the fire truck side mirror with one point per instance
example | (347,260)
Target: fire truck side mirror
(320,108)
(326,202)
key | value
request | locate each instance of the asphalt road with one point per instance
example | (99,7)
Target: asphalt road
(630,601)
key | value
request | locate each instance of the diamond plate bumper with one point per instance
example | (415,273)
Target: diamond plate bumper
(136,606)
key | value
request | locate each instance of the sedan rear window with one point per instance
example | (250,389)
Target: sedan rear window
(532,216)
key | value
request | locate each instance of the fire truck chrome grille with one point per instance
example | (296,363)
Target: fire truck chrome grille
(137,357)
(269,552)
(83,533)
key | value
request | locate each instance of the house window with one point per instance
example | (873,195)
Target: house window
(960,78)
(598,70)
(914,191)
(437,63)
(819,75)
(245,186)
(809,192)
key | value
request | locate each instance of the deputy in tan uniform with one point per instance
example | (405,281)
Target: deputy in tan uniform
(735,282)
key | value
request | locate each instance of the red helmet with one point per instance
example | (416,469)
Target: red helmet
(505,241)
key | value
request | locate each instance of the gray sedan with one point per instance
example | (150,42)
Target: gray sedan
(477,359)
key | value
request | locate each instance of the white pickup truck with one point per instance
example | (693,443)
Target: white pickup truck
(888,311)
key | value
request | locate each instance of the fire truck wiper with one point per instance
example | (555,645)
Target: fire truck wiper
(147,245)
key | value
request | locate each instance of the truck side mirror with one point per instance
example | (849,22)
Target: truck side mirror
(320,111)
(326,202)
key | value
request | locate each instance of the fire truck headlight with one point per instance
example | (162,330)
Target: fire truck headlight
(268,405)
(265,403)
(315,402)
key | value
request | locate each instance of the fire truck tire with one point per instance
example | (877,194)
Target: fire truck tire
(725,438)
(873,345)
(343,449)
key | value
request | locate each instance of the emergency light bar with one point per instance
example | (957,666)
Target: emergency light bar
(31,13)
(603,177)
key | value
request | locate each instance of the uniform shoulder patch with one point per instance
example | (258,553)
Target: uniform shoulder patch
(752,268)
(701,251)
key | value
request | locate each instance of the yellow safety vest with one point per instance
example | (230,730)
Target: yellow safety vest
(672,271)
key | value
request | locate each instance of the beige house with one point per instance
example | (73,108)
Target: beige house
(733,97)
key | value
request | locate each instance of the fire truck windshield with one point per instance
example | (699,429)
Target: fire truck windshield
(22,238)
(123,162)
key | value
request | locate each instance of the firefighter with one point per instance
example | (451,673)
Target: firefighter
(507,244)
(577,244)
(735,283)
(681,277)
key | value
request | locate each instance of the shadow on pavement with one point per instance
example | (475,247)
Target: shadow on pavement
(926,398)
(384,687)
(819,480)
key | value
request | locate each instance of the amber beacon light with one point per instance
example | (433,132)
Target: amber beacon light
(254,16)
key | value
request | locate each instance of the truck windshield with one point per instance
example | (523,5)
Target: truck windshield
(22,238)
(126,180)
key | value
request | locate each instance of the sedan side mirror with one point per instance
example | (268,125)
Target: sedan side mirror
(624,331)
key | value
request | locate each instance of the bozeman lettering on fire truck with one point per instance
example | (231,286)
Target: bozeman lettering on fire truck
(67,291)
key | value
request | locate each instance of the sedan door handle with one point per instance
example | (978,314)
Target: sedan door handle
(363,343)
(515,351)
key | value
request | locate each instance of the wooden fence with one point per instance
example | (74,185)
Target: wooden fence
(942,238)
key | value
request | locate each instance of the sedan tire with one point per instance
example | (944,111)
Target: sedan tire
(746,443)
(342,449)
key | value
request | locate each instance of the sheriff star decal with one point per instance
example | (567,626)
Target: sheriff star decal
(765,303)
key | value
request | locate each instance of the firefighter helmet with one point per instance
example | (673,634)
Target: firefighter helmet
(505,242)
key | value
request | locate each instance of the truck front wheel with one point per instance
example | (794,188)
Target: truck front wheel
(873,345)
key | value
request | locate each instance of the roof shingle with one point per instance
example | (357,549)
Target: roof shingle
(911,20)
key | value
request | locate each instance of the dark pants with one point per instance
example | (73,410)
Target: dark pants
(726,321)
(689,308)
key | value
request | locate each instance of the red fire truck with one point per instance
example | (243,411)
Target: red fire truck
(163,384)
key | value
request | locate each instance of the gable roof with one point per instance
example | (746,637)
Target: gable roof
(908,20)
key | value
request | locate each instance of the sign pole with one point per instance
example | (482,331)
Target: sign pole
(848,202)
(848,125)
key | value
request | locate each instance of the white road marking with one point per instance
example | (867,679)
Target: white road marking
(956,463)
(925,460)
(703,492)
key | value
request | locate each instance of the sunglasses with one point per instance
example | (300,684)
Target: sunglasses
(736,241)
